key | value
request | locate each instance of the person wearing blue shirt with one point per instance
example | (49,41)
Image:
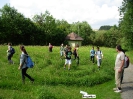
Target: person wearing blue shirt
(92,54)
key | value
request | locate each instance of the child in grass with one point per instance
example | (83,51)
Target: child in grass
(99,56)
(92,54)
(22,65)
(9,54)
(68,58)
(76,54)
(61,50)
(50,47)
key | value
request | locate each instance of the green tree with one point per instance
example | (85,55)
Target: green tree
(9,19)
(105,27)
(108,38)
(126,23)
(62,30)
(15,27)
(47,23)
(84,30)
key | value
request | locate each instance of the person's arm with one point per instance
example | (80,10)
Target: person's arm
(101,54)
(20,66)
(122,64)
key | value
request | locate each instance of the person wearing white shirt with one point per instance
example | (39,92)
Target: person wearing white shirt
(99,56)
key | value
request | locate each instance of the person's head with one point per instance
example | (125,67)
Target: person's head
(77,45)
(69,48)
(118,48)
(92,47)
(22,48)
(98,48)
(9,44)
(61,44)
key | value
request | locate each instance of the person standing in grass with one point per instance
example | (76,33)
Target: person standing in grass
(68,58)
(119,66)
(99,56)
(76,54)
(9,54)
(61,50)
(65,49)
(23,66)
(92,54)
(50,47)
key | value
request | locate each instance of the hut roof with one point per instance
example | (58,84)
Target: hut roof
(73,36)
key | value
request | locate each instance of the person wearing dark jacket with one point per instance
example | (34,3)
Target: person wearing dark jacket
(67,55)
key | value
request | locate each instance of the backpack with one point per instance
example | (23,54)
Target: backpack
(127,61)
(29,62)
(12,50)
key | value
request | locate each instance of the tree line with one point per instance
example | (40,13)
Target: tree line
(44,28)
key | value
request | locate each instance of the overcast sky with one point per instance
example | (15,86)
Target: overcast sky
(96,12)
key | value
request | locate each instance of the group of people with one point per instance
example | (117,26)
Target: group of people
(119,64)
(96,54)
(64,53)
(22,65)
(67,53)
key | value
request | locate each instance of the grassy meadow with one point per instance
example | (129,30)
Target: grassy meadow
(52,81)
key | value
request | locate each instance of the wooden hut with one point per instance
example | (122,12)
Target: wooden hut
(73,39)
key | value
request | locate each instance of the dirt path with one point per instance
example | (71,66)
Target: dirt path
(127,86)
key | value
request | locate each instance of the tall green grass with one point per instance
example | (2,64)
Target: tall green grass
(52,81)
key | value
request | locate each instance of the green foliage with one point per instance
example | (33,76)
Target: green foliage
(108,38)
(44,28)
(126,23)
(84,30)
(105,27)
(16,28)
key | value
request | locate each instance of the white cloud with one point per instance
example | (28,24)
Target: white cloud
(95,12)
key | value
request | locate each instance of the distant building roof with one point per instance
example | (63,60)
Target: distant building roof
(73,36)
